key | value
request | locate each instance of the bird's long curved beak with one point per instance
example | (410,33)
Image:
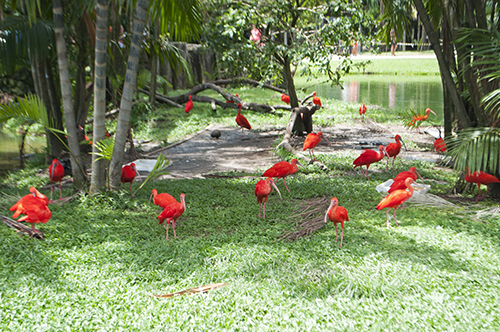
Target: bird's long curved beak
(432,112)
(305,169)
(326,139)
(150,197)
(139,175)
(420,176)
(403,144)
(327,210)
(275,187)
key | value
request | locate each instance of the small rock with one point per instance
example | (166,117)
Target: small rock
(215,133)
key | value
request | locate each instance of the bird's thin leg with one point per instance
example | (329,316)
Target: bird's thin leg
(33,228)
(479,194)
(131,189)
(60,191)
(393,160)
(387,165)
(387,223)
(167,229)
(285,185)
(367,173)
(395,220)
(336,233)
(485,194)
(173,227)
(51,191)
(264,210)
(341,236)
(260,203)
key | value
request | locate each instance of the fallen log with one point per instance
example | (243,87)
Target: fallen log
(21,228)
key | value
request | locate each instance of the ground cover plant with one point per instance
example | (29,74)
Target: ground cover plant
(104,255)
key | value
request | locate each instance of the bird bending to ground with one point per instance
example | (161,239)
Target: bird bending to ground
(396,198)
(285,98)
(189,105)
(241,120)
(479,178)
(316,100)
(35,208)
(56,173)
(369,157)
(262,191)
(337,214)
(311,141)
(171,213)
(392,150)
(419,118)
(128,175)
(162,200)
(283,169)
(399,180)
(362,111)
(439,143)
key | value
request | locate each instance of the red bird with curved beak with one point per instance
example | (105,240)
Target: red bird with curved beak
(172,212)
(480,178)
(311,141)
(440,144)
(56,173)
(262,191)
(35,208)
(162,200)
(396,198)
(189,105)
(230,101)
(369,157)
(362,111)
(392,150)
(241,120)
(337,214)
(399,180)
(419,118)
(283,169)
(128,175)
(285,98)
(316,100)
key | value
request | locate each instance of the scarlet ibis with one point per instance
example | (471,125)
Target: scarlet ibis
(282,169)
(285,98)
(399,180)
(56,173)
(419,118)
(393,149)
(316,100)
(171,213)
(128,175)
(189,105)
(337,214)
(162,200)
(35,208)
(241,120)
(439,143)
(480,178)
(311,141)
(262,191)
(85,135)
(396,198)
(230,101)
(362,111)
(369,157)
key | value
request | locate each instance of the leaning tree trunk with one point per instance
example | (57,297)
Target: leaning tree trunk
(129,86)
(69,114)
(98,180)
(443,65)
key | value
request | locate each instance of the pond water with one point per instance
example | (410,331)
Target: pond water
(9,149)
(392,92)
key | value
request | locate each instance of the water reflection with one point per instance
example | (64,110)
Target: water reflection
(388,92)
(9,150)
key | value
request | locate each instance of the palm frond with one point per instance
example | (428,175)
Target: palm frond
(105,149)
(476,148)
(180,19)
(158,170)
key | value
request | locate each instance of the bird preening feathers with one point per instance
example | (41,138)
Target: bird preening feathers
(35,208)
(171,213)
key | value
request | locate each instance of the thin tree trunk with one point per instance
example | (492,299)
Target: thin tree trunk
(443,65)
(154,65)
(69,114)
(98,180)
(128,93)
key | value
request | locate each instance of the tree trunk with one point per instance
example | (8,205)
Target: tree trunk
(443,65)
(128,93)
(154,65)
(55,106)
(69,114)
(98,180)
(298,124)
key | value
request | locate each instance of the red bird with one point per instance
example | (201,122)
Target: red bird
(480,178)
(162,200)
(439,144)
(172,212)
(399,180)
(241,120)
(396,198)
(189,105)
(128,175)
(262,191)
(369,157)
(282,169)
(362,111)
(285,98)
(34,206)
(417,119)
(337,214)
(230,101)
(85,135)
(316,100)
(311,141)
(392,150)
(56,173)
